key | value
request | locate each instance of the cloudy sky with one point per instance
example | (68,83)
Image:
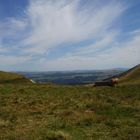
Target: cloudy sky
(44,35)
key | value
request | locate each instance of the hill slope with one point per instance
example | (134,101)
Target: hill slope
(53,112)
(12,78)
(131,76)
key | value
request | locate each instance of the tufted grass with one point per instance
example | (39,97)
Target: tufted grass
(50,112)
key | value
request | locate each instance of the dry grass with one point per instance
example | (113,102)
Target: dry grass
(47,112)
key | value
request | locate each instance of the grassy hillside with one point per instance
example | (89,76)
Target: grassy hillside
(131,76)
(51,112)
(7,77)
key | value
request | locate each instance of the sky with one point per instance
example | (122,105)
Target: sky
(58,35)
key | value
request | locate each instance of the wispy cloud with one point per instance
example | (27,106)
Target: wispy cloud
(11,62)
(51,24)
(57,22)
(120,55)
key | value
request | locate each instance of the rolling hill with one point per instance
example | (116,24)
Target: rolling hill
(58,112)
(129,77)
(12,78)
(132,76)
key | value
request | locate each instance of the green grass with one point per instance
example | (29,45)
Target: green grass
(131,76)
(13,78)
(49,112)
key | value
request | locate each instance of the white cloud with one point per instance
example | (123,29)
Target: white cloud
(106,41)
(48,24)
(56,22)
(124,54)
(11,62)
(12,27)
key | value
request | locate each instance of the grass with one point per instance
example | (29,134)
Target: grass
(13,78)
(50,112)
(131,76)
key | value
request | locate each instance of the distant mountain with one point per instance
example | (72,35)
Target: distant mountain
(9,77)
(122,69)
(78,77)
(131,76)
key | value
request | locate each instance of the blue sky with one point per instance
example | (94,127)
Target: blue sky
(44,35)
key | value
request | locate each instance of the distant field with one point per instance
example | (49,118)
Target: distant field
(71,77)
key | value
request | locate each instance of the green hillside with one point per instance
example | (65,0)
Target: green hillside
(131,76)
(13,78)
(53,112)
